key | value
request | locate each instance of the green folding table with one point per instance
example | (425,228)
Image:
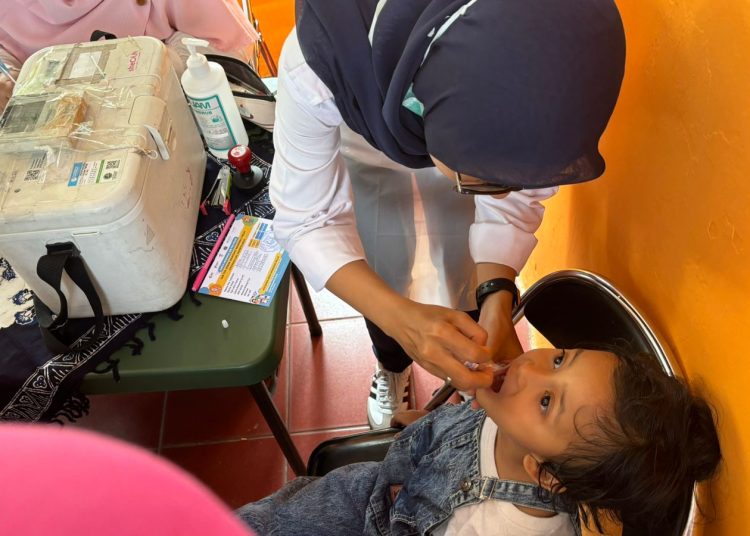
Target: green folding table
(199,352)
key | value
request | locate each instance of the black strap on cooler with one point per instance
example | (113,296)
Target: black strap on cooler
(65,256)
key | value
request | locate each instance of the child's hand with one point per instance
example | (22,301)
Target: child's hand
(402,419)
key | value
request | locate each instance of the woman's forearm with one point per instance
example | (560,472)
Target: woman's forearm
(359,286)
(497,311)
(499,302)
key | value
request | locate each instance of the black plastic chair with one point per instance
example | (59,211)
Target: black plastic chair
(569,308)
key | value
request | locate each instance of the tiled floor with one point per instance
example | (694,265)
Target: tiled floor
(220,436)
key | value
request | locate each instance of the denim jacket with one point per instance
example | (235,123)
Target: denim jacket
(431,469)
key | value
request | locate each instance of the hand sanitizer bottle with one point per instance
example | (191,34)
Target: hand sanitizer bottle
(208,92)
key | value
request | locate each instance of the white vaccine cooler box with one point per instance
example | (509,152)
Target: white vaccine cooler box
(99,149)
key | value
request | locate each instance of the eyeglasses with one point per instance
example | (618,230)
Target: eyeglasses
(481,188)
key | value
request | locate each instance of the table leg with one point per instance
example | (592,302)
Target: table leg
(279,429)
(307,305)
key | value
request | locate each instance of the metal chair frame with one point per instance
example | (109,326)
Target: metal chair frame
(262,50)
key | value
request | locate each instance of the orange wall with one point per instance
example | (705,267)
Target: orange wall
(276,19)
(669,222)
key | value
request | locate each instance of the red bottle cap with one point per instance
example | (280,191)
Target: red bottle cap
(240,157)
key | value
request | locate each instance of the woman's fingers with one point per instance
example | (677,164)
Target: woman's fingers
(441,340)
(469,327)
(466,341)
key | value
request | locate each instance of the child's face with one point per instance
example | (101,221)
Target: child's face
(548,395)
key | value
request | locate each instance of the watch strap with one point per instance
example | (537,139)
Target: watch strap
(496,285)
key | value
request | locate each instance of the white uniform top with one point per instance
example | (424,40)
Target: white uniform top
(322,171)
(499,518)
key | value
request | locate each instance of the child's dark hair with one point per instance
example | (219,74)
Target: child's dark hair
(640,465)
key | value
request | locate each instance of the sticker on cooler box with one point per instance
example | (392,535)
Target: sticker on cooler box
(94,172)
(37,168)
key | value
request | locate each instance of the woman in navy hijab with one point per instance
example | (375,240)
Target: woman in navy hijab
(436,124)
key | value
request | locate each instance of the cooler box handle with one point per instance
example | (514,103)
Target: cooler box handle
(151,113)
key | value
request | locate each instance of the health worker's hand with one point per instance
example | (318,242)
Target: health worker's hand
(502,339)
(438,338)
(441,340)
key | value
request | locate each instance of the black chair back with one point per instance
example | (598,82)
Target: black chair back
(574,308)
(571,308)
(340,451)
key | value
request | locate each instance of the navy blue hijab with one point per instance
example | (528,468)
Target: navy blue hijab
(514,92)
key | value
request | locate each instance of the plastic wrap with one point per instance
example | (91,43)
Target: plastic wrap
(76,113)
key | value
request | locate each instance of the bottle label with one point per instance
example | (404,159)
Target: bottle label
(209,113)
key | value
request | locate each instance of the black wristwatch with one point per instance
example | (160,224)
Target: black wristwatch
(496,285)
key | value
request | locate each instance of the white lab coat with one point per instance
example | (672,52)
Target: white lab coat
(338,200)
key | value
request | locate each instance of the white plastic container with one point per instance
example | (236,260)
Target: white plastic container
(207,89)
(117,171)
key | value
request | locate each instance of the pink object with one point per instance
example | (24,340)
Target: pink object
(66,481)
(29,25)
(202,274)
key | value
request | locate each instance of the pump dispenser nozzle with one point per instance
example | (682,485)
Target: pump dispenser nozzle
(197,63)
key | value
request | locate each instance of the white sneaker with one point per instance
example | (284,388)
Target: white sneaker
(389,393)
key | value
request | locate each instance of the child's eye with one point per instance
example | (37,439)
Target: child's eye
(545,402)
(558,361)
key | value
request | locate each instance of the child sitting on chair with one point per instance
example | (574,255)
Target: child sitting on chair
(570,433)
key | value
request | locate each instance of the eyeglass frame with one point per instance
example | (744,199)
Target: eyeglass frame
(485,188)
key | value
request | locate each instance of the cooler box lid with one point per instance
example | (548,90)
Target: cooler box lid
(82,121)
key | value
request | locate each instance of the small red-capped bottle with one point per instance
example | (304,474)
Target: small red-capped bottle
(245,176)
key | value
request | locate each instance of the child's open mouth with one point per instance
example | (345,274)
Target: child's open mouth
(499,370)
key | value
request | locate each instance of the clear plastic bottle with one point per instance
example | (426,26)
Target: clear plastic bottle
(215,110)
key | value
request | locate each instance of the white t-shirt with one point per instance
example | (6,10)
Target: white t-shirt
(499,518)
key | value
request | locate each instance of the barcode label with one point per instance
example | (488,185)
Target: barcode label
(95,172)
(32,175)
(38,160)
(37,167)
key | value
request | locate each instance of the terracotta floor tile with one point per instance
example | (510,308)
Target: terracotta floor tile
(330,376)
(132,417)
(327,306)
(239,471)
(203,415)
